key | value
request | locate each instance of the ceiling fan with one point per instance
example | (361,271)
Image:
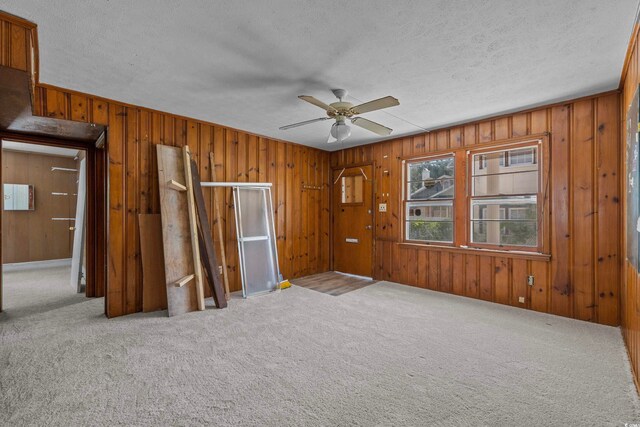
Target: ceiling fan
(342,111)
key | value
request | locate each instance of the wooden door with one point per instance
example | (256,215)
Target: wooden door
(353,220)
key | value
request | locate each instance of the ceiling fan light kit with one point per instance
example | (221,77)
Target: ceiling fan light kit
(340,130)
(342,111)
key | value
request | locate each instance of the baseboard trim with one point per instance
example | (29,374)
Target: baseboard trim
(355,275)
(36,265)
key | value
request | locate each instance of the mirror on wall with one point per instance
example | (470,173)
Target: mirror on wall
(18,197)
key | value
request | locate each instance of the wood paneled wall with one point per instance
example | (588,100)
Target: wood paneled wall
(630,294)
(32,235)
(581,279)
(17,38)
(302,213)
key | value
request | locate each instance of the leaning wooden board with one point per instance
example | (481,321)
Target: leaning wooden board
(176,233)
(208,252)
(154,287)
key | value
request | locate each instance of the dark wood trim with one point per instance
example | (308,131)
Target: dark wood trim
(207,248)
(477,251)
(6,16)
(627,57)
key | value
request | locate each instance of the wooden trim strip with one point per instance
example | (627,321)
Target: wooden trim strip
(476,251)
(193,225)
(627,57)
(6,16)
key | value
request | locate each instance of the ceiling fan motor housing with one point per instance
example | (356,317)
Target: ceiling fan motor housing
(342,109)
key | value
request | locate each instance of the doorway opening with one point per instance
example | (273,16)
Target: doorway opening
(49,224)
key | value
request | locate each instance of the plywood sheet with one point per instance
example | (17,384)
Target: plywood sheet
(176,233)
(154,288)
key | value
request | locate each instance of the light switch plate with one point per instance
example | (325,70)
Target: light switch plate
(382,207)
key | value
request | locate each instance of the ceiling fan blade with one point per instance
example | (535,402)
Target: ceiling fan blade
(378,104)
(306,122)
(316,102)
(371,126)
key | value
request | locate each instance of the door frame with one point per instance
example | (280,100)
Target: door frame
(373,213)
(97,203)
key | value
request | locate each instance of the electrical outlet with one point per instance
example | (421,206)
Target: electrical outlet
(382,207)
(530,280)
(220,269)
(521,300)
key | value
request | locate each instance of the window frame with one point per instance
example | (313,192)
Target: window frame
(541,155)
(462,197)
(360,203)
(405,200)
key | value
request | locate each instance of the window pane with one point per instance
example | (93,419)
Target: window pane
(514,160)
(435,231)
(430,211)
(352,190)
(505,232)
(508,183)
(430,179)
(502,218)
(509,208)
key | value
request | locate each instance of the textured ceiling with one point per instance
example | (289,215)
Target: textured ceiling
(243,63)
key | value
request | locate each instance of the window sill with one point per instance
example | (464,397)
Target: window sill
(536,256)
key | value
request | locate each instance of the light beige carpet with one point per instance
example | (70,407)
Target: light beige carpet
(383,355)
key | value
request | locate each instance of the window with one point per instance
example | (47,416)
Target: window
(504,197)
(352,190)
(499,207)
(430,192)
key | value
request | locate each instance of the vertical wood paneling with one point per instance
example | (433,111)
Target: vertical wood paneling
(116,271)
(540,290)
(608,193)
(584,225)
(132,136)
(131,235)
(560,216)
(486,277)
(629,277)
(19,49)
(472,288)
(501,278)
(583,209)
(519,286)
(520,125)
(458,267)
(585,181)
(33,236)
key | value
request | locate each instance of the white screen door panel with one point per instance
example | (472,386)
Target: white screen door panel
(256,240)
